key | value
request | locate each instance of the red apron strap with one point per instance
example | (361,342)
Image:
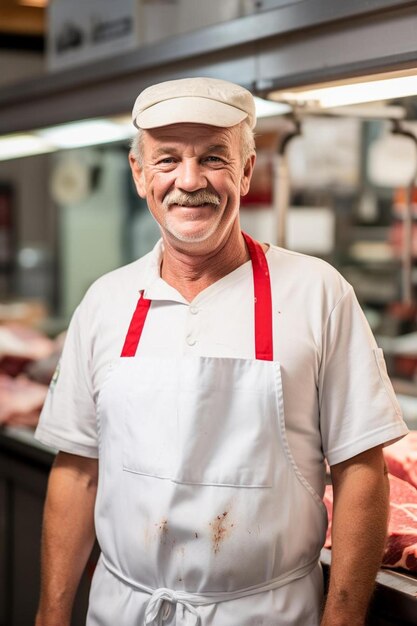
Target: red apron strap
(263,300)
(136,326)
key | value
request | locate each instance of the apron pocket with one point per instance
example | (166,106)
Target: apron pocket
(231,448)
(204,421)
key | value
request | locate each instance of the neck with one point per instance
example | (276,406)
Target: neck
(192,273)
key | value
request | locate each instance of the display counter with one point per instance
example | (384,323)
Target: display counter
(24,469)
(395,598)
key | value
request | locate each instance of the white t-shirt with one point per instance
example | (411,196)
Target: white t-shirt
(337,396)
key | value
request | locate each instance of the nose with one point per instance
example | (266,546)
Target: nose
(190,176)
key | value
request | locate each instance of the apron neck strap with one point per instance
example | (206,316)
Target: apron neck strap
(262,300)
(136,326)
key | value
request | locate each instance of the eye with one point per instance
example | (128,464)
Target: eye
(213,159)
(166,161)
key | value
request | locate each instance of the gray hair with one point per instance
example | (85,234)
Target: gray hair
(247,143)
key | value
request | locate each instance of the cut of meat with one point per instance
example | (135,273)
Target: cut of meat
(401,546)
(16,340)
(42,370)
(401,458)
(21,401)
(19,345)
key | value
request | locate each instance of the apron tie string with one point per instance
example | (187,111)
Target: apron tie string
(160,607)
(162,601)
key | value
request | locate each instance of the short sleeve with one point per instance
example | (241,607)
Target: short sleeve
(358,407)
(68,418)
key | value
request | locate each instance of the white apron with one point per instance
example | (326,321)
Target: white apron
(201,510)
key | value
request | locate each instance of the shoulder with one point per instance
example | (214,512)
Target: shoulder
(113,292)
(314,279)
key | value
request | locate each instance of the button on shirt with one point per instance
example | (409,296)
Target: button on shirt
(320,335)
(193,326)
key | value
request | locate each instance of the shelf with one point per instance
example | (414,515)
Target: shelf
(20,442)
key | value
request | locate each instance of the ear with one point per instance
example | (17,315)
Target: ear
(138,176)
(247,175)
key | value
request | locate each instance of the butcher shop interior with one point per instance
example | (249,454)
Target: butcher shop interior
(336,177)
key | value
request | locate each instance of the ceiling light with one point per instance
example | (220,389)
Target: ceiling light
(85,133)
(360,111)
(350,92)
(21,145)
(71,135)
(266,108)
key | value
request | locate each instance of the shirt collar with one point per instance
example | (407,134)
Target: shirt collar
(153,286)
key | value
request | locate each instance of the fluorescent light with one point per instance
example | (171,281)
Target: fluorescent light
(367,111)
(21,145)
(85,133)
(352,93)
(65,136)
(266,108)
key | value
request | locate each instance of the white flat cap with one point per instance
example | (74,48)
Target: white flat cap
(199,100)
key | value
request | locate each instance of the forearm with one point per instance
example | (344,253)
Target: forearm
(361,495)
(67,537)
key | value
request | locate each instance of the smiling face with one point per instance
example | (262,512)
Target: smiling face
(192,177)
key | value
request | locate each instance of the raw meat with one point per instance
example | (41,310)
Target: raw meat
(401,458)
(42,370)
(20,345)
(401,546)
(20,401)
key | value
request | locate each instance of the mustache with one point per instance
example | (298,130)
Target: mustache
(194,198)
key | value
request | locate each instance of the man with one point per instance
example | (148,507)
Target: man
(169,407)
